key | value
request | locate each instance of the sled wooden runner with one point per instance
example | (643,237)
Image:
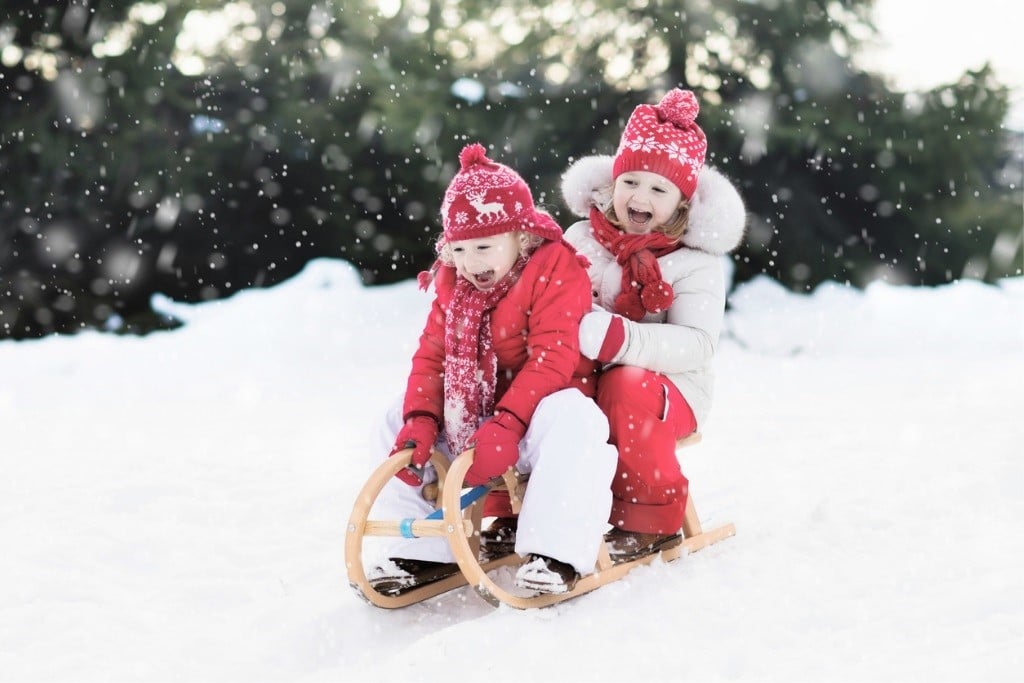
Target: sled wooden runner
(462,527)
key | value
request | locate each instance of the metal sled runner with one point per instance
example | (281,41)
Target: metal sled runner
(459,521)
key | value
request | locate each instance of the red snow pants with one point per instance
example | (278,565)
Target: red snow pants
(646,415)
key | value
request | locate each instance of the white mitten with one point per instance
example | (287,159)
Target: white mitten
(603,336)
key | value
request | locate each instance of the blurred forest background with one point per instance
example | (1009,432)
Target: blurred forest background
(197,148)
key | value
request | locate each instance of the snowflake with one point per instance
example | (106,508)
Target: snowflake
(649,144)
(675,151)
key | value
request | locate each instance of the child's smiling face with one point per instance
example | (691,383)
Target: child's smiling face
(484,261)
(644,201)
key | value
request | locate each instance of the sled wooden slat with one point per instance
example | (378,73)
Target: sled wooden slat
(694,536)
(604,559)
(515,483)
(689,440)
(431,590)
(691,523)
(703,540)
(421,528)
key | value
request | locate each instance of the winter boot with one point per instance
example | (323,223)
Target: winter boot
(626,546)
(546,575)
(399,575)
(498,539)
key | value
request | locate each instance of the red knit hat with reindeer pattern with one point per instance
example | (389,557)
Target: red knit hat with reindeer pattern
(486,198)
(664,139)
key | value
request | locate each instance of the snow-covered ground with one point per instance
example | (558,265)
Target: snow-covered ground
(173,508)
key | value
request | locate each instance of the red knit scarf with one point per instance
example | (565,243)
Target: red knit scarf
(470,363)
(643,291)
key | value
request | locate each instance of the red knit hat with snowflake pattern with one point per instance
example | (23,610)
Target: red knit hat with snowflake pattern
(664,139)
(486,198)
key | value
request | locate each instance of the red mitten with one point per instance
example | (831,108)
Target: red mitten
(419,433)
(496,448)
(602,336)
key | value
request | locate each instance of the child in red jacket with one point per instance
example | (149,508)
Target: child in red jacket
(498,369)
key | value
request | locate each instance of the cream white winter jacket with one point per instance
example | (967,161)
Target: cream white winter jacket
(680,342)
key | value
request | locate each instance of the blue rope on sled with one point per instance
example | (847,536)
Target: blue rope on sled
(467,499)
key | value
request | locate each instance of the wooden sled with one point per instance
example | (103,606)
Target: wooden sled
(459,521)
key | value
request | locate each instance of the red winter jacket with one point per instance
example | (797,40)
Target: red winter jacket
(535,330)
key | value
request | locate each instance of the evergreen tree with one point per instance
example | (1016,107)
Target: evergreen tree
(138,156)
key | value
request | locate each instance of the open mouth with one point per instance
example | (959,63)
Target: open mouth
(483,280)
(639,217)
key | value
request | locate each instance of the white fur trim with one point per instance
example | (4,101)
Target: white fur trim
(587,183)
(718,218)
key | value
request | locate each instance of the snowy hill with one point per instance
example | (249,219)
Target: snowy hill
(173,507)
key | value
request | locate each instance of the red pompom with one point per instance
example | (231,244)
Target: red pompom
(656,297)
(628,304)
(473,154)
(424,279)
(679,107)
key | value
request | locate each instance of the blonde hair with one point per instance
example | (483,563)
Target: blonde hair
(528,243)
(674,229)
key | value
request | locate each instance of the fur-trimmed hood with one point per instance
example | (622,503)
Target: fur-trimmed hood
(717,216)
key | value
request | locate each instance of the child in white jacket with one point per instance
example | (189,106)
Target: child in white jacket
(658,224)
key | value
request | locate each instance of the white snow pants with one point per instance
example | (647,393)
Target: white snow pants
(568,500)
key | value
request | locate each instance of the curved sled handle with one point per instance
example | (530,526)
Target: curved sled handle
(360,526)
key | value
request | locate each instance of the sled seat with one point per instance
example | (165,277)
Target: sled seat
(694,536)
(458,519)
